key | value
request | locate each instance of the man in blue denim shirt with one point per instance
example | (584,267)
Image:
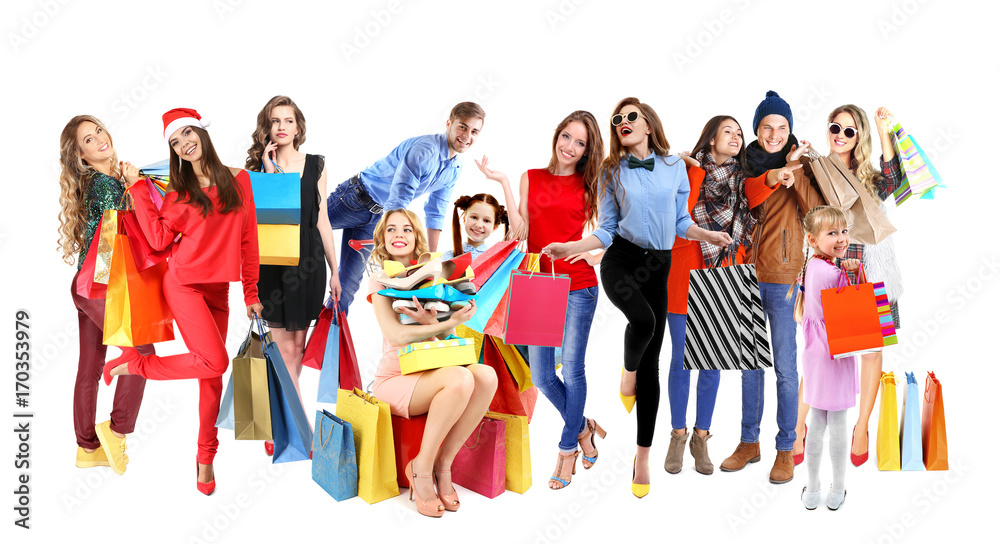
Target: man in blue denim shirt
(424,164)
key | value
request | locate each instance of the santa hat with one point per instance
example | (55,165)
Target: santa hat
(181,117)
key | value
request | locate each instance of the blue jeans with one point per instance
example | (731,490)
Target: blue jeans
(568,395)
(348,213)
(679,381)
(779,314)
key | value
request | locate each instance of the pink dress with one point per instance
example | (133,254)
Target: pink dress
(391,386)
(828,383)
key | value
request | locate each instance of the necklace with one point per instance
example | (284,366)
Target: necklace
(823,257)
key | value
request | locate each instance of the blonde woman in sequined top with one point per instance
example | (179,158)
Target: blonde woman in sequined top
(91,182)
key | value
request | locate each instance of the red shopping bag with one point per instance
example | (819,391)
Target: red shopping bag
(145,256)
(85,285)
(484,265)
(533,312)
(350,375)
(312,357)
(406,437)
(481,464)
(508,399)
(852,318)
(935,439)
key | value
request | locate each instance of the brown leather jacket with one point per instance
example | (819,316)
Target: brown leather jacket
(778,237)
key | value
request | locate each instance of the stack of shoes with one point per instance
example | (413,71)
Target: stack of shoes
(443,286)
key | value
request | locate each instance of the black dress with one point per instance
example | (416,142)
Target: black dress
(292,296)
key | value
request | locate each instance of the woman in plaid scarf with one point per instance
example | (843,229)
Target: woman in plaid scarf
(722,197)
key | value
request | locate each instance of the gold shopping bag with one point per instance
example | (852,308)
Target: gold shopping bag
(518,477)
(372,427)
(278,244)
(251,393)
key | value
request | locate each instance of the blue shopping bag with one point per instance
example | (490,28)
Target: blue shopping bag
(277,197)
(335,464)
(910,444)
(490,294)
(289,426)
(329,374)
(227,417)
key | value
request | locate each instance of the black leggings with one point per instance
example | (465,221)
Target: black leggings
(635,279)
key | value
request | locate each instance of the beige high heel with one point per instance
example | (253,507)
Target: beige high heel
(592,427)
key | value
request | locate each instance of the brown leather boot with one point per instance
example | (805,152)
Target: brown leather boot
(699,450)
(675,453)
(783,469)
(745,453)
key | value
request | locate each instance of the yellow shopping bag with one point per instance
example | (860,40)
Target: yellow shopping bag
(518,476)
(452,351)
(515,363)
(887,449)
(251,394)
(278,244)
(370,421)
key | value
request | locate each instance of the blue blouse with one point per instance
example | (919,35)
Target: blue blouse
(648,208)
(475,251)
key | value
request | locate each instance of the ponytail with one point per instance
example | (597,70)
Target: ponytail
(799,286)
(462,204)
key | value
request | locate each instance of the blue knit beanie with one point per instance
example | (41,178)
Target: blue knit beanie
(772,104)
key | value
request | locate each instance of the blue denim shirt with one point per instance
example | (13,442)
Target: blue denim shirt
(648,208)
(417,166)
(475,251)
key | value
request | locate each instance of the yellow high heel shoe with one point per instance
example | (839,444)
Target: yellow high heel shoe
(627,400)
(639,490)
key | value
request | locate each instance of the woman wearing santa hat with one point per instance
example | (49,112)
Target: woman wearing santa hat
(211,206)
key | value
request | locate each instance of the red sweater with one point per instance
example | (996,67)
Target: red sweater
(686,255)
(219,248)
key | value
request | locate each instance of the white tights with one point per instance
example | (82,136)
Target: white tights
(819,420)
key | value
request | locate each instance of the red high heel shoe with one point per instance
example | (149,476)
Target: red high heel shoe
(802,456)
(206,489)
(128,355)
(858,460)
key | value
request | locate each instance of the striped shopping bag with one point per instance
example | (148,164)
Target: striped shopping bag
(919,175)
(725,321)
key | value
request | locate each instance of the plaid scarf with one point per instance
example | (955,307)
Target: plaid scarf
(722,205)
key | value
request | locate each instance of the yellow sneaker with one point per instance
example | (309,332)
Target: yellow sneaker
(114,447)
(95,458)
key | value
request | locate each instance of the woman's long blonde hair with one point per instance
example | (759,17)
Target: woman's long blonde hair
(816,221)
(74,181)
(861,163)
(379,252)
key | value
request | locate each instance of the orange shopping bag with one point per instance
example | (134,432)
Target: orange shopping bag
(852,319)
(135,312)
(935,439)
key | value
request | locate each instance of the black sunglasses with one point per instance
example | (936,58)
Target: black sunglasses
(835,128)
(631,117)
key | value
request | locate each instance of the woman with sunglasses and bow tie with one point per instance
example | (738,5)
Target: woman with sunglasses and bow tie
(644,204)
(849,136)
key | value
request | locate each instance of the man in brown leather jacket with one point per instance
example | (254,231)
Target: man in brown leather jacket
(777,254)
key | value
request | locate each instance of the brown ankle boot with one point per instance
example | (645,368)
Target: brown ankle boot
(699,450)
(783,469)
(745,453)
(675,453)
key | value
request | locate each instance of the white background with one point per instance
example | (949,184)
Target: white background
(367,76)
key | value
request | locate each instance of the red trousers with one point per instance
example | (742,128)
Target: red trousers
(202,315)
(128,392)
